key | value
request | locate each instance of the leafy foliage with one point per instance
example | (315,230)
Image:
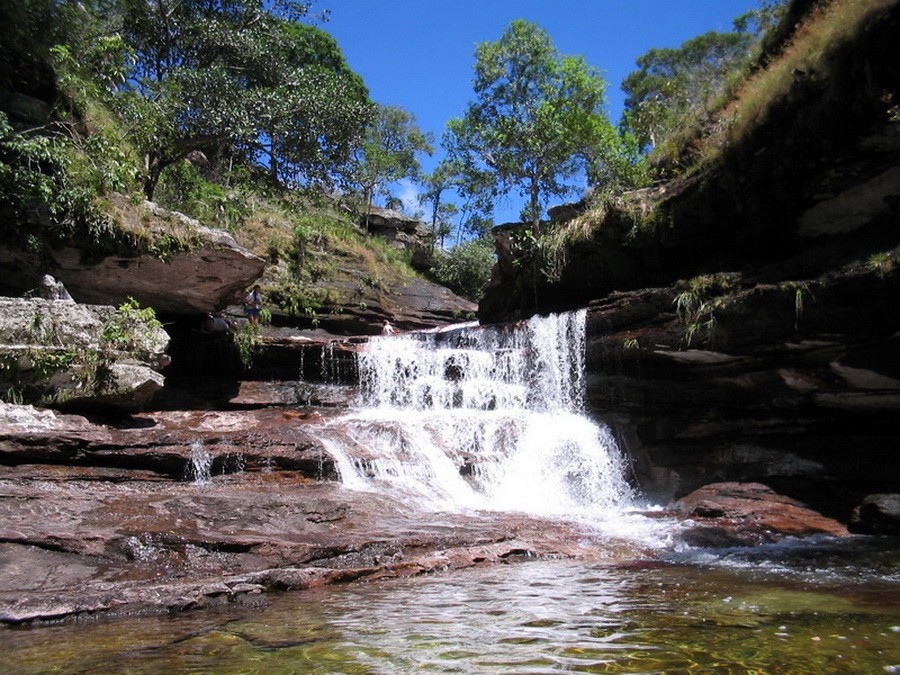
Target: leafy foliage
(248,342)
(676,93)
(698,301)
(673,86)
(126,329)
(237,78)
(183,187)
(48,191)
(884,263)
(466,268)
(388,151)
(535,117)
(319,260)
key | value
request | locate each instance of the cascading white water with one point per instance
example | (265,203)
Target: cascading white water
(200,468)
(481,418)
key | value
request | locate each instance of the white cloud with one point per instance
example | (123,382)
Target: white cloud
(409,195)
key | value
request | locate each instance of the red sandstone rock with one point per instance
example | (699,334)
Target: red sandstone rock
(748,513)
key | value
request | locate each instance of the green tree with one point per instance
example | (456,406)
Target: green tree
(241,74)
(535,115)
(760,21)
(436,183)
(672,86)
(388,152)
(466,269)
(617,163)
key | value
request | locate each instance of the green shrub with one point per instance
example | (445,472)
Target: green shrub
(126,327)
(466,269)
(43,204)
(698,301)
(248,342)
(183,188)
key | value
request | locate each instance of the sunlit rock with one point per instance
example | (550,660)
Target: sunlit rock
(68,354)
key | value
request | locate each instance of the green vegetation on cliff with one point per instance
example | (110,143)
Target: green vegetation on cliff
(785,146)
(239,114)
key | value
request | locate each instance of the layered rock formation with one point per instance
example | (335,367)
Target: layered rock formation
(82,356)
(399,229)
(178,510)
(203,269)
(802,398)
(811,187)
(743,322)
(784,373)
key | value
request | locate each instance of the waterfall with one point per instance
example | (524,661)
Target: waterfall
(481,418)
(200,468)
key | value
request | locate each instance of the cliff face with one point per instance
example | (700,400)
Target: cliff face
(781,369)
(803,398)
(814,185)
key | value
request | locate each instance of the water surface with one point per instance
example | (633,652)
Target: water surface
(821,607)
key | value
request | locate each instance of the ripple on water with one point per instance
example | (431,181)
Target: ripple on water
(540,617)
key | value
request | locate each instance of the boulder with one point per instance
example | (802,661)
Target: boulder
(399,229)
(188,268)
(61,353)
(741,514)
(878,514)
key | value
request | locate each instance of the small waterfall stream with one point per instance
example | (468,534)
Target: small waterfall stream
(481,418)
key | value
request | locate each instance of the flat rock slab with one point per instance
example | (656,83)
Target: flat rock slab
(107,518)
(73,547)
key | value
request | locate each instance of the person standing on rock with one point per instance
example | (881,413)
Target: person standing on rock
(387,328)
(253,305)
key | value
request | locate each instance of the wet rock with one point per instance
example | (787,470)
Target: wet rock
(166,444)
(77,547)
(807,405)
(255,393)
(878,514)
(743,514)
(858,205)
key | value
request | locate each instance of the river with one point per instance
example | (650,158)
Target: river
(490,421)
(823,606)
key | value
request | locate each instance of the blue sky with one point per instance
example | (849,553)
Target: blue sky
(418,54)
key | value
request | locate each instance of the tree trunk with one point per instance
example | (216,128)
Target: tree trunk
(368,192)
(154,166)
(535,207)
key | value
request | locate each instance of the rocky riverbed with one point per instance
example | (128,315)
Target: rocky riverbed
(176,509)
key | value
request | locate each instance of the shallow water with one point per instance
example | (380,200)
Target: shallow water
(826,607)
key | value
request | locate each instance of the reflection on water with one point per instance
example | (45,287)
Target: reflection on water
(812,609)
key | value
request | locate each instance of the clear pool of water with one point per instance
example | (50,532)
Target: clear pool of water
(821,607)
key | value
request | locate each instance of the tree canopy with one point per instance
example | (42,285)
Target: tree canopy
(672,88)
(672,85)
(241,76)
(535,118)
(388,151)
